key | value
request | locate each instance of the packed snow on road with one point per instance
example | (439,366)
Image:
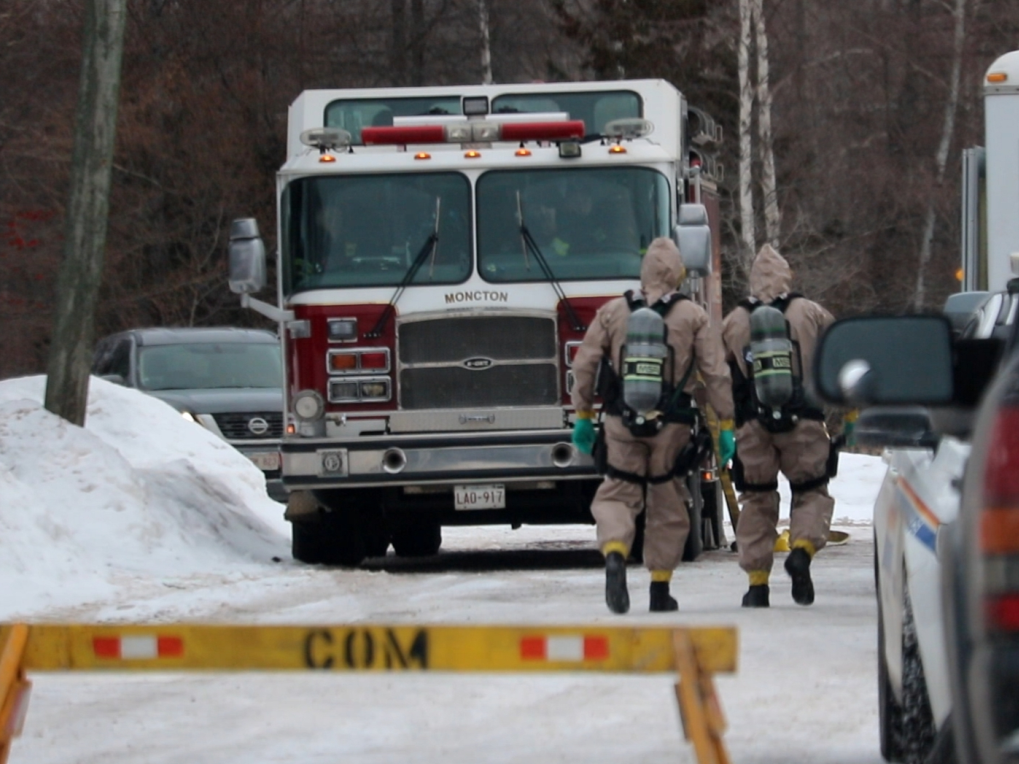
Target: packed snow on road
(144,517)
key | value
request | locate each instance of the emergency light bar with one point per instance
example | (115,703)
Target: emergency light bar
(475,131)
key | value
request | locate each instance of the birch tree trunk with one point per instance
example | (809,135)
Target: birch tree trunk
(746,105)
(486,48)
(941,160)
(81,271)
(772,215)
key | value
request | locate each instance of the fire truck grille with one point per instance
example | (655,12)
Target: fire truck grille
(237,426)
(451,387)
(478,361)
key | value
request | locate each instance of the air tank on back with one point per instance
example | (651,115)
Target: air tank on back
(643,360)
(772,353)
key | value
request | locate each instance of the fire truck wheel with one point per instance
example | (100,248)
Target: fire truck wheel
(694,539)
(331,539)
(420,539)
(637,548)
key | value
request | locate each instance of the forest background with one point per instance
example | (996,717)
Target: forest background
(861,108)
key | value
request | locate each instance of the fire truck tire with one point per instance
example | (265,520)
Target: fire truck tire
(694,539)
(637,548)
(417,539)
(331,539)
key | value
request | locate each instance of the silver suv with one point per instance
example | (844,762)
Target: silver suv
(228,380)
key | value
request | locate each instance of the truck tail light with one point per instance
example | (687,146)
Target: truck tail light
(570,350)
(998,529)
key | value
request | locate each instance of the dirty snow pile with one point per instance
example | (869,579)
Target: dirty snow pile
(137,489)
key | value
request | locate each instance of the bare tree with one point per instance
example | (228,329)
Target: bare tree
(746,113)
(941,159)
(772,216)
(82,268)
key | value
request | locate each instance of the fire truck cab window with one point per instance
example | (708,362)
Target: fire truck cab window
(352,115)
(588,224)
(596,109)
(366,230)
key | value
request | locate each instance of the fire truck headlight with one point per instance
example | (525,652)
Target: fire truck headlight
(308,405)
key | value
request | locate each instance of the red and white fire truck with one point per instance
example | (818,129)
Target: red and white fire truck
(441,252)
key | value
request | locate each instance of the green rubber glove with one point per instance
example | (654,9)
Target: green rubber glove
(849,432)
(726,445)
(584,435)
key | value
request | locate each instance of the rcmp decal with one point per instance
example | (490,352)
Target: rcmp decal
(477,295)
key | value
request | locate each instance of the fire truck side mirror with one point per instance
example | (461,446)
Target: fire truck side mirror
(247,257)
(693,237)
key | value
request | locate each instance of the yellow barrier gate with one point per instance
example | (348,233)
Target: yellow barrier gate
(695,653)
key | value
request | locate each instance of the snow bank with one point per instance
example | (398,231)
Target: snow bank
(137,489)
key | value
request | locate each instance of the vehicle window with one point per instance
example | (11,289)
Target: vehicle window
(112,357)
(351,115)
(596,109)
(210,365)
(366,230)
(589,224)
(120,360)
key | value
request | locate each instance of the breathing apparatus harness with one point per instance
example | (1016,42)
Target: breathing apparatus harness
(641,396)
(772,391)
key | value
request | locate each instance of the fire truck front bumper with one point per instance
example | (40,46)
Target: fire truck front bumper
(431,459)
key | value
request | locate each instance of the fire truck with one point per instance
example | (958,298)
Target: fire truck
(441,252)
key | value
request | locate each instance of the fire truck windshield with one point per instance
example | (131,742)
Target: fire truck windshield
(365,230)
(589,223)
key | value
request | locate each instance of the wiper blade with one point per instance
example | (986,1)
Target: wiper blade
(532,246)
(419,260)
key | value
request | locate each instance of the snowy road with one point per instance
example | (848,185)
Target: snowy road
(805,690)
(144,517)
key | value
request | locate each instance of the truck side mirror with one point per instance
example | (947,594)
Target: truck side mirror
(880,360)
(693,237)
(247,257)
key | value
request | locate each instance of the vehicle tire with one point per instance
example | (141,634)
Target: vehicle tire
(889,713)
(694,539)
(918,730)
(332,538)
(714,533)
(419,539)
(637,548)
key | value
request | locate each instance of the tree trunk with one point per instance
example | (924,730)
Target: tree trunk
(947,131)
(746,105)
(772,216)
(398,53)
(417,23)
(486,48)
(88,205)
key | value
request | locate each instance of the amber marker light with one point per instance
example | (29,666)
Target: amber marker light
(472,154)
(617,149)
(522,152)
(959,274)
(997,77)
(422,155)
(327,158)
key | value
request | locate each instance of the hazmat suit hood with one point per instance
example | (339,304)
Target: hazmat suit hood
(770,275)
(662,270)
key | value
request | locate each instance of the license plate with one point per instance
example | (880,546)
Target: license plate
(267,461)
(479,497)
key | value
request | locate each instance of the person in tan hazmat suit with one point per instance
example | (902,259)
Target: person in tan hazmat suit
(792,439)
(641,464)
